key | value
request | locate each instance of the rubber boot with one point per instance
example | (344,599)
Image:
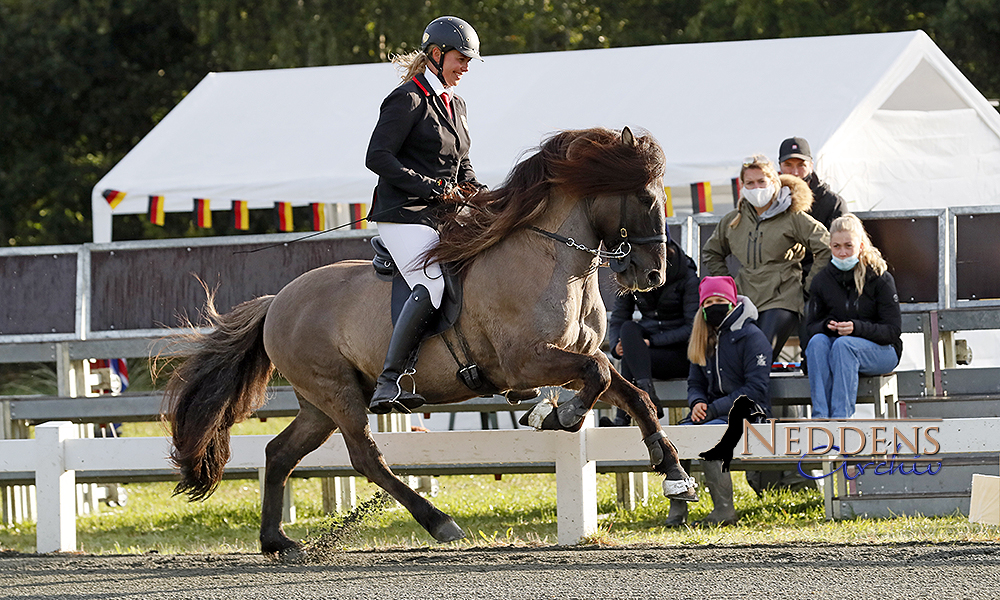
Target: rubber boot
(677,516)
(390,394)
(647,386)
(720,487)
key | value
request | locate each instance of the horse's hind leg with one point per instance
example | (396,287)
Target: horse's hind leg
(307,431)
(367,460)
(662,453)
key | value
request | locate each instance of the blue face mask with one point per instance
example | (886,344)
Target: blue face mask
(845,264)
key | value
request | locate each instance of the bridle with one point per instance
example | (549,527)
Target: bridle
(619,258)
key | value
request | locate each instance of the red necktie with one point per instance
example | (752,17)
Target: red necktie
(447,104)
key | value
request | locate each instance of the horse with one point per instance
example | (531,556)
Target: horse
(528,254)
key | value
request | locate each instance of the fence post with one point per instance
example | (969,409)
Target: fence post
(576,487)
(56,529)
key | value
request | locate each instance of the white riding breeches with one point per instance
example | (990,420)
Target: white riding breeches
(407,243)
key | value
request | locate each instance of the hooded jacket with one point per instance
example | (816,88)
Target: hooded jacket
(827,204)
(740,364)
(875,313)
(770,251)
(667,311)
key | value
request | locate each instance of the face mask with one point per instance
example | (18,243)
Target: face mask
(759,197)
(845,264)
(716,313)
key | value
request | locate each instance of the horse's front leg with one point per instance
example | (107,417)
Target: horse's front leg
(662,453)
(589,373)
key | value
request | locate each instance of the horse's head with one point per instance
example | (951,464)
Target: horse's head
(631,220)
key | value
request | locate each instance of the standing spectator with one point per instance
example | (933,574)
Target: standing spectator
(768,234)
(730,357)
(854,321)
(795,158)
(656,344)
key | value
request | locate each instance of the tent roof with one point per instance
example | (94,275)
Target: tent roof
(300,135)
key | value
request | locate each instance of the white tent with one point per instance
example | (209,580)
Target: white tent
(892,122)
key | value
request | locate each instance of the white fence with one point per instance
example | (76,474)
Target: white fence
(55,454)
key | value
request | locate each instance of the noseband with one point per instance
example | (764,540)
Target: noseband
(619,258)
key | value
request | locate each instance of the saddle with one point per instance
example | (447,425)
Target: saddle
(451,304)
(447,317)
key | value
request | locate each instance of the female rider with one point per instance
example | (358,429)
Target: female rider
(420,152)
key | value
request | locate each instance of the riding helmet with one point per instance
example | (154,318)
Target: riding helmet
(451,33)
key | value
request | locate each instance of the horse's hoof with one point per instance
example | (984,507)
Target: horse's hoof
(292,556)
(538,416)
(680,489)
(449,531)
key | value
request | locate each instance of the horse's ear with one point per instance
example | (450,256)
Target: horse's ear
(627,138)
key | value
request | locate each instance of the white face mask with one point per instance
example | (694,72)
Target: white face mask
(759,197)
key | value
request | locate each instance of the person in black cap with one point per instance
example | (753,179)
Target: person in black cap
(420,152)
(795,158)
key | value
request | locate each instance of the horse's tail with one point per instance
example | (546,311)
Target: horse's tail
(221,383)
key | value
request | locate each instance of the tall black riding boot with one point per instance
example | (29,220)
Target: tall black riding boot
(413,320)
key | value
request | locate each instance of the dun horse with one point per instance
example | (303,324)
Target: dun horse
(532,316)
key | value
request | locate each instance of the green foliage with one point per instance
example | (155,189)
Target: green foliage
(82,82)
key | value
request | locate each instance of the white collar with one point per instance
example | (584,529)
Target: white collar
(436,84)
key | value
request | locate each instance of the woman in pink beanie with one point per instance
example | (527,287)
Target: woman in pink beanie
(730,357)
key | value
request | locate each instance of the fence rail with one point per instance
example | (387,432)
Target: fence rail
(56,454)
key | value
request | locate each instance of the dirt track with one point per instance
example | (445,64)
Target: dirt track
(897,571)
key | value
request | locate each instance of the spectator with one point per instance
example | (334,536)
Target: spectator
(795,158)
(854,321)
(656,344)
(768,234)
(729,357)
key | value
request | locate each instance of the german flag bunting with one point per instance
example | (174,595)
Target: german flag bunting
(737,190)
(202,216)
(155,211)
(319,216)
(668,204)
(701,197)
(241,215)
(283,216)
(114,197)
(358,212)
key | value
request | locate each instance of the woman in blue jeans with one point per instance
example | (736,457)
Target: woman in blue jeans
(854,321)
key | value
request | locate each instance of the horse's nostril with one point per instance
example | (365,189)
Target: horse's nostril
(654,278)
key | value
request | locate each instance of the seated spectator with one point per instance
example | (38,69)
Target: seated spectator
(854,321)
(656,344)
(729,357)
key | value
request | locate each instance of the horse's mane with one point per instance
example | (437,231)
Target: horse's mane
(583,163)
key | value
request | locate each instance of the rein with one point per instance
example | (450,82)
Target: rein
(618,259)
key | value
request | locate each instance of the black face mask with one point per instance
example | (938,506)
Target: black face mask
(716,313)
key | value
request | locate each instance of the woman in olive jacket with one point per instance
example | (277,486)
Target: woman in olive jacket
(768,234)
(854,321)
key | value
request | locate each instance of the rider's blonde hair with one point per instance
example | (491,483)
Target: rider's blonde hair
(410,65)
(869,256)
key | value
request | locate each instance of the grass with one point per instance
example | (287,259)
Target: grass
(518,510)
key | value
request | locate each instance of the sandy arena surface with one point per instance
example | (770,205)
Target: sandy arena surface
(968,570)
